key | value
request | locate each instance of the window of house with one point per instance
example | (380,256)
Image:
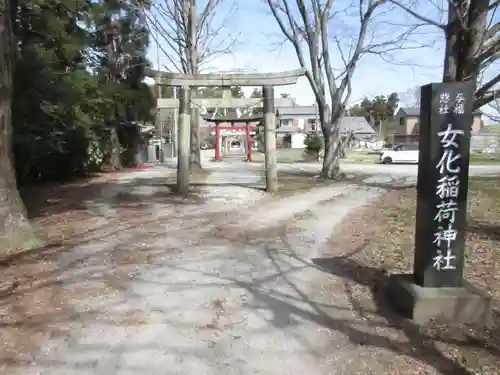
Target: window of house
(311,125)
(285,123)
(401,121)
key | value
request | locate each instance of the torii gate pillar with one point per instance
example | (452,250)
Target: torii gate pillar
(183,135)
(270,140)
(217,142)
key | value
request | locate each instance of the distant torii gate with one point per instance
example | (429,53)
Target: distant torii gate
(244,117)
(226,102)
(185,82)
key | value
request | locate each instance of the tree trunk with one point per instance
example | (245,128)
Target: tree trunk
(331,133)
(115,157)
(463,44)
(134,149)
(331,168)
(194,149)
(15,229)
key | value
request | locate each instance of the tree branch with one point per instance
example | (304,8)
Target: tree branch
(418,16)
(485,91)
(210,39)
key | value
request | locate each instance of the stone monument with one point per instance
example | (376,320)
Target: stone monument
(437,287)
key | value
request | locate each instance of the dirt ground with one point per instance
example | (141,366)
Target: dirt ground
(229,281)
(31,296)
(379,240)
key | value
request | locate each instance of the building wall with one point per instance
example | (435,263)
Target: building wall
(280,140)
(412,125)
(477,125)
(298,140)
(311,125)
(485,143)
(409,125)
(299,122)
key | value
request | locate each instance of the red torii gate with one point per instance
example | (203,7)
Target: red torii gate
(247,127)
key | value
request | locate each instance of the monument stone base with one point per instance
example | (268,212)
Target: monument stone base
(468,304)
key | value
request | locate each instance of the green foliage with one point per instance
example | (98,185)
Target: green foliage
(216,92)
(256,93)
(378,109)
(63,100)
(314,143)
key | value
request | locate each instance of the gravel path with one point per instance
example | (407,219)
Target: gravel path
(219,285)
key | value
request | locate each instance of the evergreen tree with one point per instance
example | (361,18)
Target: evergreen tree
(57,99)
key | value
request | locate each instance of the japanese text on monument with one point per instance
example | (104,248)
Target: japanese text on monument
(448,184)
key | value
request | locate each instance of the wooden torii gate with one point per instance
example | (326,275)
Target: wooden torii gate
(186,81)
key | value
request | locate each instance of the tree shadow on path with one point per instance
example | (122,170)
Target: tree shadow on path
(422,344)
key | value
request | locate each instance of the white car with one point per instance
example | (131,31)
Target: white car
(406,153)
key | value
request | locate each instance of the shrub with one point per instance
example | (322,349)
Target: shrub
(314,144)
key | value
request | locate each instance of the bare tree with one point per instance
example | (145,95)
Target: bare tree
(410,97)
(494,111)
(320,35)
(15,229)
(416,97)
(472,35)
(190,41)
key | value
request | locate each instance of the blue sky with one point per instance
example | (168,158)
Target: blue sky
(257,50)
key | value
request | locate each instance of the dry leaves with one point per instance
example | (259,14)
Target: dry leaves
(33,303)
(380,239)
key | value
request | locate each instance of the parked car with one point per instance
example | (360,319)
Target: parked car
(405,153)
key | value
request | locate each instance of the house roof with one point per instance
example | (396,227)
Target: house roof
(357,125)
(299,110)
(411,111)
(284,102)
(415,111)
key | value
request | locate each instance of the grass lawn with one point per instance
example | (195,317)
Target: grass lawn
(284,155)
(360,157)
(477,158)
(379,240)
(295,155)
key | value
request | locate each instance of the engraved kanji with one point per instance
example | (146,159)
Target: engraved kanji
(448,187)
(446,211)
(447,161)
(448,136)
(445,235)
(443,262)
(459,108)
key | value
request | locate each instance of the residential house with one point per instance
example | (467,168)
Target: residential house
(293,124)
(363,134)
(357,125)
(405,127)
